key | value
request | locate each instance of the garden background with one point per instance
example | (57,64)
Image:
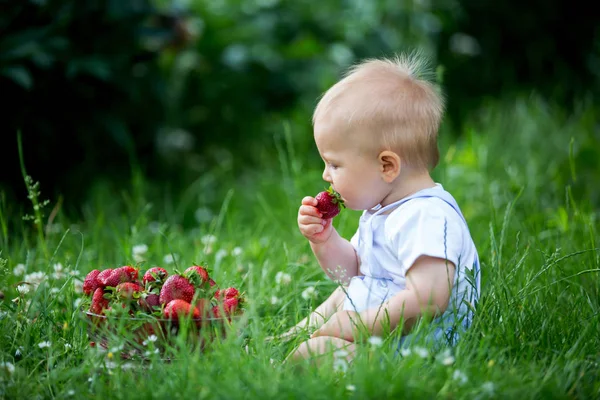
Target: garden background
(178,132)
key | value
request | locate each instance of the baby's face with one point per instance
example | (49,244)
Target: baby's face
(351,165)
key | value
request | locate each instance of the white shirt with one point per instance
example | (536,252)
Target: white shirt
(428,222)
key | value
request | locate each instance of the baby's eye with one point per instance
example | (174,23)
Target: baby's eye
(333,166)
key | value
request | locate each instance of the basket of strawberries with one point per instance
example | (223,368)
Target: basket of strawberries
(159,307)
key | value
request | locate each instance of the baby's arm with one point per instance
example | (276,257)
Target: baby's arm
(428,287)
(335,255)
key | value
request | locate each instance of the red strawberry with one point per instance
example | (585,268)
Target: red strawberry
(149,302)
(212,282)
(329,203)
(227,293)
(176,287)
(180,308)
(120,275)
(155,274)
(128,290)
(197,274)
(228,307)
(99,303)
(103,276)
(90,283)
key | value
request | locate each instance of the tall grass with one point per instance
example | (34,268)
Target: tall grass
(515,174)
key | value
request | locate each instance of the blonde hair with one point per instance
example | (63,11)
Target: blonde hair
(393,98)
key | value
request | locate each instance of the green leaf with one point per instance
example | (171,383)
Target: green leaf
(19,75)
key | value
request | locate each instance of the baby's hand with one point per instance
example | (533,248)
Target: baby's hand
(310,221)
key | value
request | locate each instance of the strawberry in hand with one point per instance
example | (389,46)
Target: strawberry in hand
(329,203)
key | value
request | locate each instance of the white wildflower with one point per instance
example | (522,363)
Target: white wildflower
(460,377)
(19,269)
(19,351)
(375,341)
(74,272)
(222,253)
(77,286)
(54,290)
(488,387)
(421,352)
(237,251)
(340,362)
(152,338)
(139,252)
(68,346)
(275,300)
(35,278)
(170,258)
(203,215)
(71,392)
(208,239)
(23,289)
(59,271)
(351,388)
(77,302)
(309,293)
(43,345)
(446,358)
(8,367)
(283,278)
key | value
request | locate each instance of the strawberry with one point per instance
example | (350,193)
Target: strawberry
(90,283)
(176,287)
(227,293)
(197,275)
(149,302)
(103,276)
(155,274)
(178,308)
(329,203)
(99,303)
(120,275)
(228,308)
(128,290)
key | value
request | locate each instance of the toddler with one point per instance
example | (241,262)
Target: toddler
(412,256)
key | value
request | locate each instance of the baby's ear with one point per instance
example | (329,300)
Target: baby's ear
(390,165)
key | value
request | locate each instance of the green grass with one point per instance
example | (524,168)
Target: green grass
(518,176)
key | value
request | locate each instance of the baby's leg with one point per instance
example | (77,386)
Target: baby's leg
(317,348)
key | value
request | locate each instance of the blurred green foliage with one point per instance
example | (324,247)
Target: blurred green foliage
(103,88)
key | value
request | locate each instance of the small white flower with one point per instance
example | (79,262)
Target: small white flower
(43,345)
(59,271)
(341,354)
(271,361)
(152,338)
(237,251)
(19,352)
(90,379)
(203,215)
(139,252)
(54,290)
(283,278)
(170,258)
(222,253)
(340,365)
(19,269)
(71,392)
(23,288)
(8,367)
(446,358)
(375,341)
(77,302)
(275,300)
(460,377)
(35,278)
(488,387)
(74,272)
(351,388)
(309,293)
(110,364)
(421,352)
(77,286)
(208,239)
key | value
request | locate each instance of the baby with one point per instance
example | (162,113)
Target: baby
(412,255)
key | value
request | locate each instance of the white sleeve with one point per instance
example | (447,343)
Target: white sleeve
(354,240)
(424,230)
